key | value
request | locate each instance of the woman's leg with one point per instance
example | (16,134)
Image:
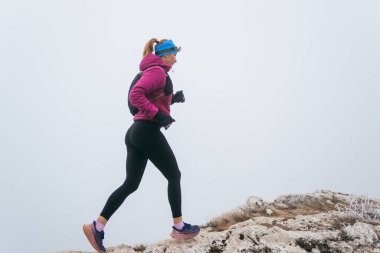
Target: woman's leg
(136,163)
(135,167)
(155,146)
(162,156)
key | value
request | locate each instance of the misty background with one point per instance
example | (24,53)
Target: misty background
(281,97)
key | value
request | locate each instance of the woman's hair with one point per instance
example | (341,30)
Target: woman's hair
(148,49)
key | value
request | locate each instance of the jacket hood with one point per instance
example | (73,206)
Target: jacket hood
(152,60)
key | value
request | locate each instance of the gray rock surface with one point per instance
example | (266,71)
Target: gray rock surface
(319,222)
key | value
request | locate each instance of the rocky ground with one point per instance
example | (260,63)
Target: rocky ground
(322,221)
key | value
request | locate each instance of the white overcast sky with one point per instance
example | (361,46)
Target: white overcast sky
(281,97)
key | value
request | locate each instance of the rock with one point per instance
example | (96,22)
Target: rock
(290,224)
(269,211)
(254,203)
(362,233)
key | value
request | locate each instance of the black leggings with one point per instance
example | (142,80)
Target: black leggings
(145,141)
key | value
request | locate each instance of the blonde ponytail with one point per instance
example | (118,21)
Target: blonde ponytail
(148,49)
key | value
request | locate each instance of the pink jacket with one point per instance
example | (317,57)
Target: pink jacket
(147,95)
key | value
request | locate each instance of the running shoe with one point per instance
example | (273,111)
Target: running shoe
(94,237)
(187,232)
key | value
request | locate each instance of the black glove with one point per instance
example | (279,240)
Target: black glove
(164,119)
(178,97)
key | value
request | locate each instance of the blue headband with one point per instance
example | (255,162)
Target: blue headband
(165,48)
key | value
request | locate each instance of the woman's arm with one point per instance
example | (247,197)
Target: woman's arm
(152,80)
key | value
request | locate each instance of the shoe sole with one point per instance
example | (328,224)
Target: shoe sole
(90,237)
(179,236)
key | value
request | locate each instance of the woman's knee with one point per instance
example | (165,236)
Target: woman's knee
(129,188)
(175,176)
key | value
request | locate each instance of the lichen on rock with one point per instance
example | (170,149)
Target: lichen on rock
(322,221)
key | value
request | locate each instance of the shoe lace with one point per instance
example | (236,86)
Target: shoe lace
(190,227)
(100,234)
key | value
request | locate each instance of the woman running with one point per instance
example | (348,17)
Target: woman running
(152,96)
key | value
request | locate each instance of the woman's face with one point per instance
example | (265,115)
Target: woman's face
(169,59)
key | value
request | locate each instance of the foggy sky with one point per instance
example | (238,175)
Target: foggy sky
(281,97)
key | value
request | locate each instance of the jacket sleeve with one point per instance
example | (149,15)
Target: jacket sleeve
(151,80)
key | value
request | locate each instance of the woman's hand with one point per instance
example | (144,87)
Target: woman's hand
(164,119)
(178,97)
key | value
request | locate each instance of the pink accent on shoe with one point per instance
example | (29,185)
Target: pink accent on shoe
(88,230)
(180,236)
